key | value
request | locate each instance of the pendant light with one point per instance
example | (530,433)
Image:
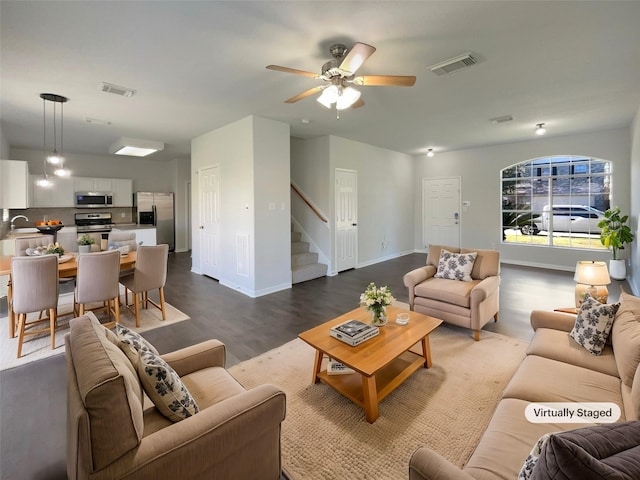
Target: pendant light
(55,158)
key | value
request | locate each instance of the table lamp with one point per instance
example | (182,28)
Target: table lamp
(591,278)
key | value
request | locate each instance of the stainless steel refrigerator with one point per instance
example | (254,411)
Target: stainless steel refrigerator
(156,208)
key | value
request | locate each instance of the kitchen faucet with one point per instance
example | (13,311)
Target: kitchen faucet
(13,227)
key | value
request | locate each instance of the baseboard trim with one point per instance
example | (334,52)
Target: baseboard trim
(384,259)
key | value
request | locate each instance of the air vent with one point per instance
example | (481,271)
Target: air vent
(463,61)
(502,119)
(116,89)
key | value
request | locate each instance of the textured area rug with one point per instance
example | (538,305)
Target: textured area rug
(36,347)
(445,407)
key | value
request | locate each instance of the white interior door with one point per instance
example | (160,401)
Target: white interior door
(346,219)
(441,211)
(210,221)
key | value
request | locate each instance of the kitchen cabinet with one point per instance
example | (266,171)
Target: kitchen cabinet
(60,194)
(122,192)
(14,180)
(91,184)
(146,235)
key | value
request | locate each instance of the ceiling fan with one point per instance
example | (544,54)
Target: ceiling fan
(339,75)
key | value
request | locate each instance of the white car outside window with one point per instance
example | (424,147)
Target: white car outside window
(572,218)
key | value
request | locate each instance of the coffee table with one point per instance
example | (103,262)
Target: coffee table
(381,363)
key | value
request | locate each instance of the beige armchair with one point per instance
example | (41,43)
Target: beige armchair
(114,431)
(466,304)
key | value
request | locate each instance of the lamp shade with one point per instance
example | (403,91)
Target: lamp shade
(592,273)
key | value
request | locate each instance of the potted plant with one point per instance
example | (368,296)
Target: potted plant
(614,235)
(84,243)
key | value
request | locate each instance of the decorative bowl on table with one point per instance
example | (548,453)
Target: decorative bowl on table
(53,228)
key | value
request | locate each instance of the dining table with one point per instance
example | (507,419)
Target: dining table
(67,268)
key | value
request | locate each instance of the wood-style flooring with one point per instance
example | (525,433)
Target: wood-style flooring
(33,396)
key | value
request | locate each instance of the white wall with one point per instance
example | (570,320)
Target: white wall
(4,147)
(479,170)
(253,156)
(633,272)
(272,205)
(148,175)
(385,198)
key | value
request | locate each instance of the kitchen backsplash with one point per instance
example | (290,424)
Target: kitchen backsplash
(65,215)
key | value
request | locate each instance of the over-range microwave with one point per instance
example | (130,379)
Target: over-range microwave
(93,199)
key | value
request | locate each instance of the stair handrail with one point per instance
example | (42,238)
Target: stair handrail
(305,200)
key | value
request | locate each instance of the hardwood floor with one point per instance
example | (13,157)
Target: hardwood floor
(33,397)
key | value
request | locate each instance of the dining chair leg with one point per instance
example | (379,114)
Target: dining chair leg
(22,318)
(137,308)
(116,305)
(52,327)
(162,308)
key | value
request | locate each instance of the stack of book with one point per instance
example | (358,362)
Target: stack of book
(353,332)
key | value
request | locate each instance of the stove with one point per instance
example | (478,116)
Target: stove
(93,222)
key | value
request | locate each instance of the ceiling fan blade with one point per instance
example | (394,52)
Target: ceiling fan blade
(359,103)
(355,58)
(292,70)
(305,94)
(385,81)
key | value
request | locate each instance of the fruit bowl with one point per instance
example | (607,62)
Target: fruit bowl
(49,228)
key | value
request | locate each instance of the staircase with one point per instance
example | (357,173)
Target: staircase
(304,264)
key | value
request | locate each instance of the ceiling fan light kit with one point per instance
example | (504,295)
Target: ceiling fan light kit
(540,129)
(339,73)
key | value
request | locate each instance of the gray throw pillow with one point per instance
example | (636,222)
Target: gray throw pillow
(593,324)
(610,451)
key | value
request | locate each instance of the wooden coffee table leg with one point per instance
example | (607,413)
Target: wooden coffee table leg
(317,367)
(370,398)
(426,352)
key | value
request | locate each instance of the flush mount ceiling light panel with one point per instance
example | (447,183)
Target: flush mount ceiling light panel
(116,89)
(135,147)
(456,63)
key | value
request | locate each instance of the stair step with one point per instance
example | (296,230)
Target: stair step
(298,259)
(302,273)
(296,236)
(299,247)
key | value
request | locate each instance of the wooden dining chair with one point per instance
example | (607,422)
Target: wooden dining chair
(150,273)
(97,280)
(35,289)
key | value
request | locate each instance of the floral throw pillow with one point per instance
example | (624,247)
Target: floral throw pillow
(530,462)
(593,324)
(132,343)
(455,266)
(164,387)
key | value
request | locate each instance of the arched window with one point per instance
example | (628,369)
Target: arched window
(555,201)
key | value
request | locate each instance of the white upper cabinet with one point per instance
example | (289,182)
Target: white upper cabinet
(122,192)
(60,194)
(14,180)
(90,184)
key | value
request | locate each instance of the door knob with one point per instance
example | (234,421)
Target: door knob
(354,224)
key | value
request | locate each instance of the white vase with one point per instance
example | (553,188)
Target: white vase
(617,269)
(84,248)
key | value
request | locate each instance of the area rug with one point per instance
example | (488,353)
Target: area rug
(446,407)
(37,347)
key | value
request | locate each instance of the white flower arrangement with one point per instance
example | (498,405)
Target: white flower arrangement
(375,298)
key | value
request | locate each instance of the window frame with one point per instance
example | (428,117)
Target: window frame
(528,188)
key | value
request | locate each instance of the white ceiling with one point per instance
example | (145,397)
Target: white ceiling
(199,65)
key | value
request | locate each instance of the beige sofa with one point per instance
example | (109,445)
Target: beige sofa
(115,432)
(469,304)
(556,369)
